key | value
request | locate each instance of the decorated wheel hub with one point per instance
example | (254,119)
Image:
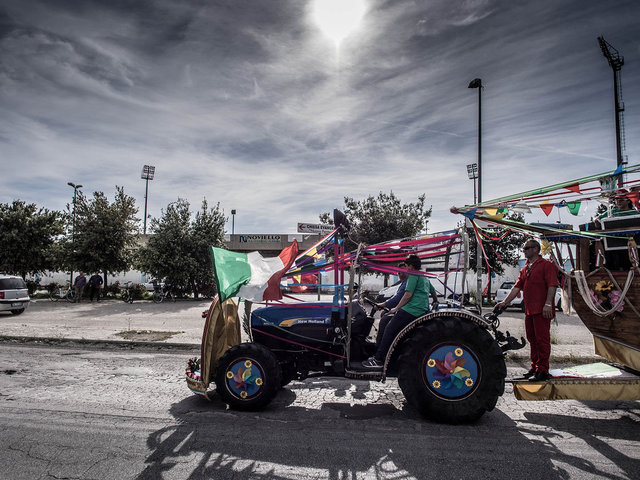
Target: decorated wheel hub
(245,378)
(451,371)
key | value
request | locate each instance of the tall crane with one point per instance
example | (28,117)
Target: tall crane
(616,61)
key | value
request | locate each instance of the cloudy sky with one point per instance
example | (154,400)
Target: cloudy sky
(253,103)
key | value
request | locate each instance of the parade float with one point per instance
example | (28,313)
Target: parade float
(599,264)
(450,363)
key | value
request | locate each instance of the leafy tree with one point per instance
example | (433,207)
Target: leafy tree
(178,250)
(27,238)
(382,218)
(104,234)
(207,230)
(503,251)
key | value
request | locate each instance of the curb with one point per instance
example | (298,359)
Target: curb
(115,344)
(559,359)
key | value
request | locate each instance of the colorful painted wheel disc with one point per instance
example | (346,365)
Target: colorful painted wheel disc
(451,371)
(245,378)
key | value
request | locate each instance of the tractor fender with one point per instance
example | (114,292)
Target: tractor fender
(431,316)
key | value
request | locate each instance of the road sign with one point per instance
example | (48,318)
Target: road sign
(314,228)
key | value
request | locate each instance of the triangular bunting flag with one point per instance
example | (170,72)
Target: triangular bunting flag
(470,213)
(490,211)
(574,207)
(635,199)
(546,208)
(574,187)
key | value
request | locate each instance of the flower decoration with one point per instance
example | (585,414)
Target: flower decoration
(451,371)
(244,378)
(468,382)
(458,352)
(193,368)
(605,296)
(431,363)
(614,297)
(247,363)
(604,286)
(436,384)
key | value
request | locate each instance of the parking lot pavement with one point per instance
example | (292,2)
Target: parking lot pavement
(182,322)
(106,319)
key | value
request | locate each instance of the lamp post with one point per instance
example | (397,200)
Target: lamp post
(477,83)
(472,172)
(73,221)
(148,171)
(233,221)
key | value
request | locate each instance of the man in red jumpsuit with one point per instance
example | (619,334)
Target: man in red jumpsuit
(538,280)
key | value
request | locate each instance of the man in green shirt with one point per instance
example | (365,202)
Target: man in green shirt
(413,304)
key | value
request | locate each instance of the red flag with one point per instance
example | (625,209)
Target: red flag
(574,187)
(287,256)
(546,208)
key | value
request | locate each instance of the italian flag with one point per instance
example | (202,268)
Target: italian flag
(250,275)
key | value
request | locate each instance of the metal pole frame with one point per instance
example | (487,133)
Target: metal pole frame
(146,194)
(478,246)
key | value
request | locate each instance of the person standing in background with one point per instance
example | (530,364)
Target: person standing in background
(95,286)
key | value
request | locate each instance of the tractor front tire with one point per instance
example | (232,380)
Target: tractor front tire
(248,376)
(451,370)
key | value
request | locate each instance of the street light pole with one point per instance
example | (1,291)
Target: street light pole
(472,172)
(477,83)
(148,171)
(233,221)
(73,221)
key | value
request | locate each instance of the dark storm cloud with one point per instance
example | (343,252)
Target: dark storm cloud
(240,101)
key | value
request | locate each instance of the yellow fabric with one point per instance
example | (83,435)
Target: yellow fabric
(222,332)
(490,211)
(578,389)
(617,352)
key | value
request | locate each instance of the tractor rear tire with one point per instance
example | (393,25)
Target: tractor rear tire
(248,376)
(451,370)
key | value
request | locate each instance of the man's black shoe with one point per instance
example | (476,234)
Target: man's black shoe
(530,373)
(540,377)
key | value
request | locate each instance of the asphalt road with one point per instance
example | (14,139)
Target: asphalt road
(118,413)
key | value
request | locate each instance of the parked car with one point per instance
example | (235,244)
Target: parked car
(14,296)
(387,292)
(518,302)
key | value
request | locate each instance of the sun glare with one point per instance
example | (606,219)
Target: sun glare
(338,18)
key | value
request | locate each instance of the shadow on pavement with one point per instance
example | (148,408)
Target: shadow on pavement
(594,433)
(337,441)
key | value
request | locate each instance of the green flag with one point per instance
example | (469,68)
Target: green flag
(574,207)
(231,269)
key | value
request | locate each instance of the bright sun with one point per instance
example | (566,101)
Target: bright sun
(337,18)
